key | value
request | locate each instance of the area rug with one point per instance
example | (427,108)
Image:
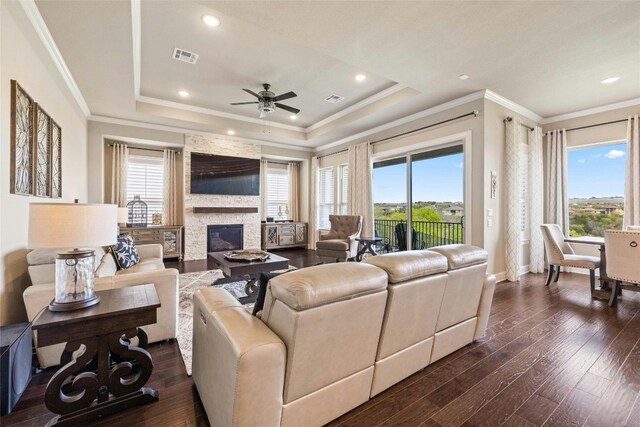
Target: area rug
(188,284)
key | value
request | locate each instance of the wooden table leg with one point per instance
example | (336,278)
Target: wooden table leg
(79,395)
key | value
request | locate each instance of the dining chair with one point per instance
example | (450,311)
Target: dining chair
(561,254)
(623,261)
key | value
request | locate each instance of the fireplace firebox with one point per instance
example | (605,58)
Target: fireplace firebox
(228,237)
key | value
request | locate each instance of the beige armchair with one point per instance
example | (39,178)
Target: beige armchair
(623,254)
(560,254)
(340,242)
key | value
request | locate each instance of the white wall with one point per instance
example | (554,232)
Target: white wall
(24,58)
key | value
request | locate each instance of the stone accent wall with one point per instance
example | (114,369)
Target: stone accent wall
(195,225)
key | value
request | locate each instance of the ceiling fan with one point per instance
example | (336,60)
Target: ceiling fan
(268,101)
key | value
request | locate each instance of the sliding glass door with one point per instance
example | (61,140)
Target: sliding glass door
(431,182)
(390,203)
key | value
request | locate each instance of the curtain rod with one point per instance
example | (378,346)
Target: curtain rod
(474,113)
(509,118)
(147,149)
(597,124)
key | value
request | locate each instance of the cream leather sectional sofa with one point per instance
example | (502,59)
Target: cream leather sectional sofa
(332,336)
(107,276)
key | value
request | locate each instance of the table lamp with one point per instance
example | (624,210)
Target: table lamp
(78,226)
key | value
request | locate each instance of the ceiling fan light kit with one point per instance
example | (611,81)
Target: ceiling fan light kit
(268,101)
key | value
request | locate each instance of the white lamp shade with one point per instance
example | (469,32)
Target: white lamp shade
(72,225)
(123,215)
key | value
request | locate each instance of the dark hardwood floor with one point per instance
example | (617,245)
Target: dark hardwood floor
(551,356)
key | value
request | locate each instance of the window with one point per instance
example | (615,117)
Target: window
(325,197)
(343,193)
(277,191)
(145,177)
(595,188)
(333,194)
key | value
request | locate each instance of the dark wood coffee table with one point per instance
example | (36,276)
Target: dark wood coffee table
(249,271)
(99,336)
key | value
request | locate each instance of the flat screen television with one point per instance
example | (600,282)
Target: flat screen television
(234,176)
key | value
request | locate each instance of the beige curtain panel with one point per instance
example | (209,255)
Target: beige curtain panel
(120,159)
(294,181)
(360,193)
(555,175)
(263,188)
(514,201)
(536,201)
(170,214)
(632,180)
(313,206)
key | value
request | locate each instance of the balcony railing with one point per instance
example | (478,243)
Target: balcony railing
(426,234)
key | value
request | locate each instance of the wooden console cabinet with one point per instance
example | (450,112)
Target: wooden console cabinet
(169,236)
(277,235)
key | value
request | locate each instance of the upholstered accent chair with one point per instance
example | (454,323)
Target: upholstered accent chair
(561,254)
(340,242)
(623,254)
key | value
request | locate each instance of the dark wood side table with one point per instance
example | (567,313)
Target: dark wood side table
(367,245)
(100,335)
(249,271)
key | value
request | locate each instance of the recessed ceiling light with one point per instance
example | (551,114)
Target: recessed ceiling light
(610,80)
(183,93)
(463,77)
(293,117)
(360,77)
(210,20)
(231,132)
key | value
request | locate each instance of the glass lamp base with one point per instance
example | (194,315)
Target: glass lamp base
(74,305)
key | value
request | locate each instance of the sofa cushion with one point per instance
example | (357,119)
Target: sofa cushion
(461,255)
(145,265)
(125,252)
(324,284)
(48,256)
(407,265)
(333,244)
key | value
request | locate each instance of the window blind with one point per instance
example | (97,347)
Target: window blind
(145,177)
(277,193)
(325,197)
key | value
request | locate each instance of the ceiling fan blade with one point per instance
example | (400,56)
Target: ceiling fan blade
(251,92)
(243,103)
(287,108)
(285,96)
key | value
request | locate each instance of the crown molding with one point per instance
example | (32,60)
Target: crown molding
(35,18)
(419,115)
(136,37)
(590,111)
(357,106)
(187,107)
(165,128)
(507,103)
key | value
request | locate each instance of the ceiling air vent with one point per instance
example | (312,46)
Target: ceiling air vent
(185,56)
(334,99)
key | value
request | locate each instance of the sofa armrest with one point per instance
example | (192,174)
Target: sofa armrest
(153,250)
(236,360)
(484,308)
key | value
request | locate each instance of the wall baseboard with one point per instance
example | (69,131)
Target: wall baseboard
(502,276)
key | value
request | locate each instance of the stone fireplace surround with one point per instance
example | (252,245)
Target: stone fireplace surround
(195,224)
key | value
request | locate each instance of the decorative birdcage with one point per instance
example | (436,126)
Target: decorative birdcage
(137,212)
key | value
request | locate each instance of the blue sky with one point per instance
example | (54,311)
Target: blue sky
(597,171)
(440,179)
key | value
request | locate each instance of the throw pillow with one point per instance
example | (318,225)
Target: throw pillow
(262,290)
(125,252)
